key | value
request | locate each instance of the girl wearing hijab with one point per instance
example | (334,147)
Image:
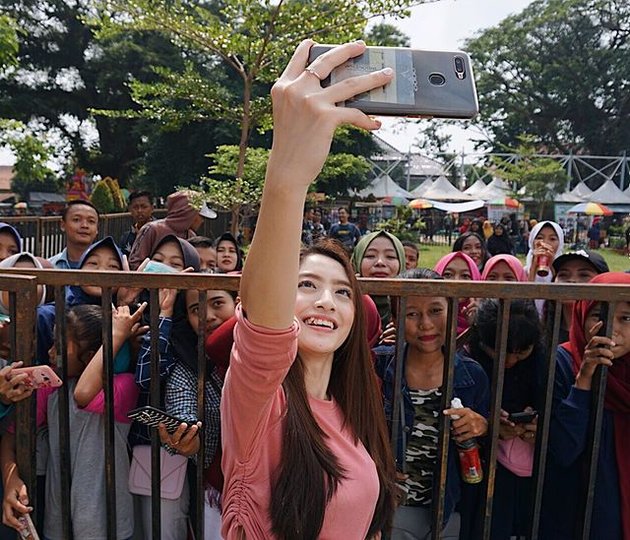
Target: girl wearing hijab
(546,239)
(503,268)
(229,255)
(177,342)
(10,241)
(379,255)
(459,266)
(576,363)
(17,391)
(473,245)
(500,243)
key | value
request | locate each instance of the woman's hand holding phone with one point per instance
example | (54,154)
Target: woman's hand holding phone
(184,440)
(13,387)
(508,429)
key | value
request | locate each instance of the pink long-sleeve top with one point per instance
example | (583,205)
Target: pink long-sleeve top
(253,406)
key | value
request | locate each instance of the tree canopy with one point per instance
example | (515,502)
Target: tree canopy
(559,71)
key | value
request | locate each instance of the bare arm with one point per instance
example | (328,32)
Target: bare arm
(124,325)
(305,118)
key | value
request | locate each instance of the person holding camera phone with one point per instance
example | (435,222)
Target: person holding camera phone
(524,361)
(576,363)
(305,449)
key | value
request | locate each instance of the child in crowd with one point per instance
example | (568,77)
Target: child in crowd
(576,363)
(207,253)
(10,241)
(181,400)
(499,243)
(503,268)
(412,255)
(474,245)
(84,325)
(177,340)
(524,364)
(546,242)
(416,455)
(573,267)
(459,266)
(379,255)
(229,254)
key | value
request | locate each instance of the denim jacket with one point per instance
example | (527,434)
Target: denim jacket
(470,385)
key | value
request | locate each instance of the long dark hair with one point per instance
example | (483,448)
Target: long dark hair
(84,323)
(298,505)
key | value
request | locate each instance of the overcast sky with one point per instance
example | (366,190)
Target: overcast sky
(439,25)
(445,25)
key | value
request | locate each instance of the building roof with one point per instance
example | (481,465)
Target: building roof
(476,188)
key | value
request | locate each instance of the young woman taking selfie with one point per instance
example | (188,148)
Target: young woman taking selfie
(305,450)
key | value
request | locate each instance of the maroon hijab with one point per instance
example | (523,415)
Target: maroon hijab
(617,399)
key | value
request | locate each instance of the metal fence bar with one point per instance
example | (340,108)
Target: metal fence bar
(154,399)
(109,435)
(444,437)
(201,395)
(398,375)
(22,348)
(498,370)
(64,409)
(594,434)
(544,421)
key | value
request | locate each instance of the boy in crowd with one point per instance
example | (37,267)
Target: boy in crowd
(79,221)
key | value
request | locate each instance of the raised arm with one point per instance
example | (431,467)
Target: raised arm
(305,118)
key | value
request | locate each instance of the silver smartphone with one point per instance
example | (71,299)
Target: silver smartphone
(437,84)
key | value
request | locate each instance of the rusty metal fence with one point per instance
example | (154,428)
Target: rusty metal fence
(23,291)
(42,235)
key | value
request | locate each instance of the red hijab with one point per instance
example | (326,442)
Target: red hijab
(617,399)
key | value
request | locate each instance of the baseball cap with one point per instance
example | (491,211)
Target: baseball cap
(207,212)
(593,258)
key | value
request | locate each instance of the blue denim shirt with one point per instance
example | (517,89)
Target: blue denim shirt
(470,385)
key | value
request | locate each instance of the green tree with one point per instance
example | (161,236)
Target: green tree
(251,39)
(8,42)
(387,35)
(535,177)
(102,197)
(558,71)
(31,171)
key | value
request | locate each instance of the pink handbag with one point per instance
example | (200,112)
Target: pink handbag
(173,473)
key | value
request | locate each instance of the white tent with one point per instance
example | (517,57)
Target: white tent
(476,188)
(494,190)
(384,186)
(568,197)
(608,194)
(443,190)
(582,191)
(420,190)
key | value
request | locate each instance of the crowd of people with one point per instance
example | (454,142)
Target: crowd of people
(299,393)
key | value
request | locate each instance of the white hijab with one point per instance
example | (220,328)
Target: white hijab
(532,238)
(10,262)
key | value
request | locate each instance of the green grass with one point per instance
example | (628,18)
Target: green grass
(429,255)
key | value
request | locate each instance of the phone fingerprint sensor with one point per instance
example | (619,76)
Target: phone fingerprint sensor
(437,79)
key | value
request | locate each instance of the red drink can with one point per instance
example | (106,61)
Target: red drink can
(470,464)
(543,269)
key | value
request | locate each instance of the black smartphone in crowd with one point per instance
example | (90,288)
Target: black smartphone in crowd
(152,417)
(436,84)
(525,417)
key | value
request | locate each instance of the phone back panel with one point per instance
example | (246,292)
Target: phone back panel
(427,83)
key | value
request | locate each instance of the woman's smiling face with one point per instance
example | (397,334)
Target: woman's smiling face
(380,259)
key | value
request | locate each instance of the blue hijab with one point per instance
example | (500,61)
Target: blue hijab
(76,295)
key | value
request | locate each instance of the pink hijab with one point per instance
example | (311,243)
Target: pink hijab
(462,321)
(514,264)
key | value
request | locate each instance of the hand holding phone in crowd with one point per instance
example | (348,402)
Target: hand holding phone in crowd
(13,384)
